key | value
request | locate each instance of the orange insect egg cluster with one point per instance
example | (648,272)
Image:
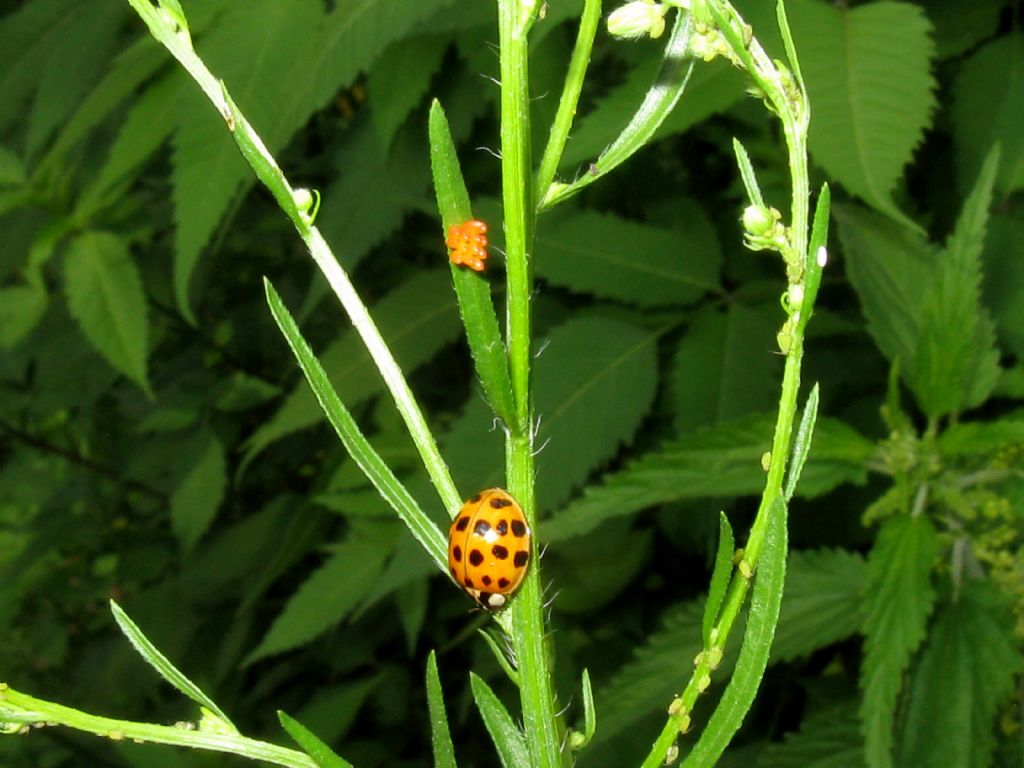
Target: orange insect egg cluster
(489,547)
(467,244)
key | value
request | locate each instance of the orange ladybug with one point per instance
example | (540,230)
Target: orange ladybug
(467,244)
(489,547)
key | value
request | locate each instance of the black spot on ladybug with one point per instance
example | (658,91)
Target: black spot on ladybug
(499,552)
(475,498)
(503,583)
(457,553)
(500,503)
(520,559)
(463,522)
(518,528)
(486,581)
(481,528)
(469,583)
(452,570)
(502,527)
(476,557)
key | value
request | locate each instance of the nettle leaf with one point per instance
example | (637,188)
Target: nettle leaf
(84,40)
(988,108)
(897,603)
(352,219)
(725,367)
(868,74)
(822,601)
(197,497)
(28,37)
(966,672)
(21,308)
(328,595)
(400,80)
(106,299)
(659,666)
(262,50)
(957,363)
(724,460)
(418,318)
(827,738)
(610,257)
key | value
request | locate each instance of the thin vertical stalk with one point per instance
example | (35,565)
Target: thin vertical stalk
(540,722)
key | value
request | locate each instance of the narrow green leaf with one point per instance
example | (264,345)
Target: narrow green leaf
(106,298)
(866,123)
(802,442)
(369,461)
(787,41)
(611,257)
(822,601)
(417,318)
(440,737)
(817,253)
(499,654)
(163,666)
(757,642)
(507,737)
(589,712)
(658,103)
(747,173)
(966,672)
(897,602)
(195,501)
(719,577)
(322,755)
(326,597)
(472,289)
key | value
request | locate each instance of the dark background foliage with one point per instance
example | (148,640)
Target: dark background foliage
(160,448)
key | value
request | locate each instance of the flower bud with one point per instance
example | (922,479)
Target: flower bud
(640,18)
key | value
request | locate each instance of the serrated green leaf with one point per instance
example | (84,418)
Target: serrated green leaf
(610,257)
(195,500)
(21,308)
(724,460)
(311,744)
(261,50)
(417,318)
(988,109)
(757,643)
(956,364)
(974,438)
(106,298)
(827,739)
(966,671)
(163,665)
(507,738)
(440,737)
(327,597)
(897,603)
(653,676)
(28,37)
(866,123)
(399,81)
(821,604)
(724,367)
(84,39)
(719,577)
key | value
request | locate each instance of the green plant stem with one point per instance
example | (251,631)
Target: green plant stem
(570,96)
(16,707)
(540,723)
